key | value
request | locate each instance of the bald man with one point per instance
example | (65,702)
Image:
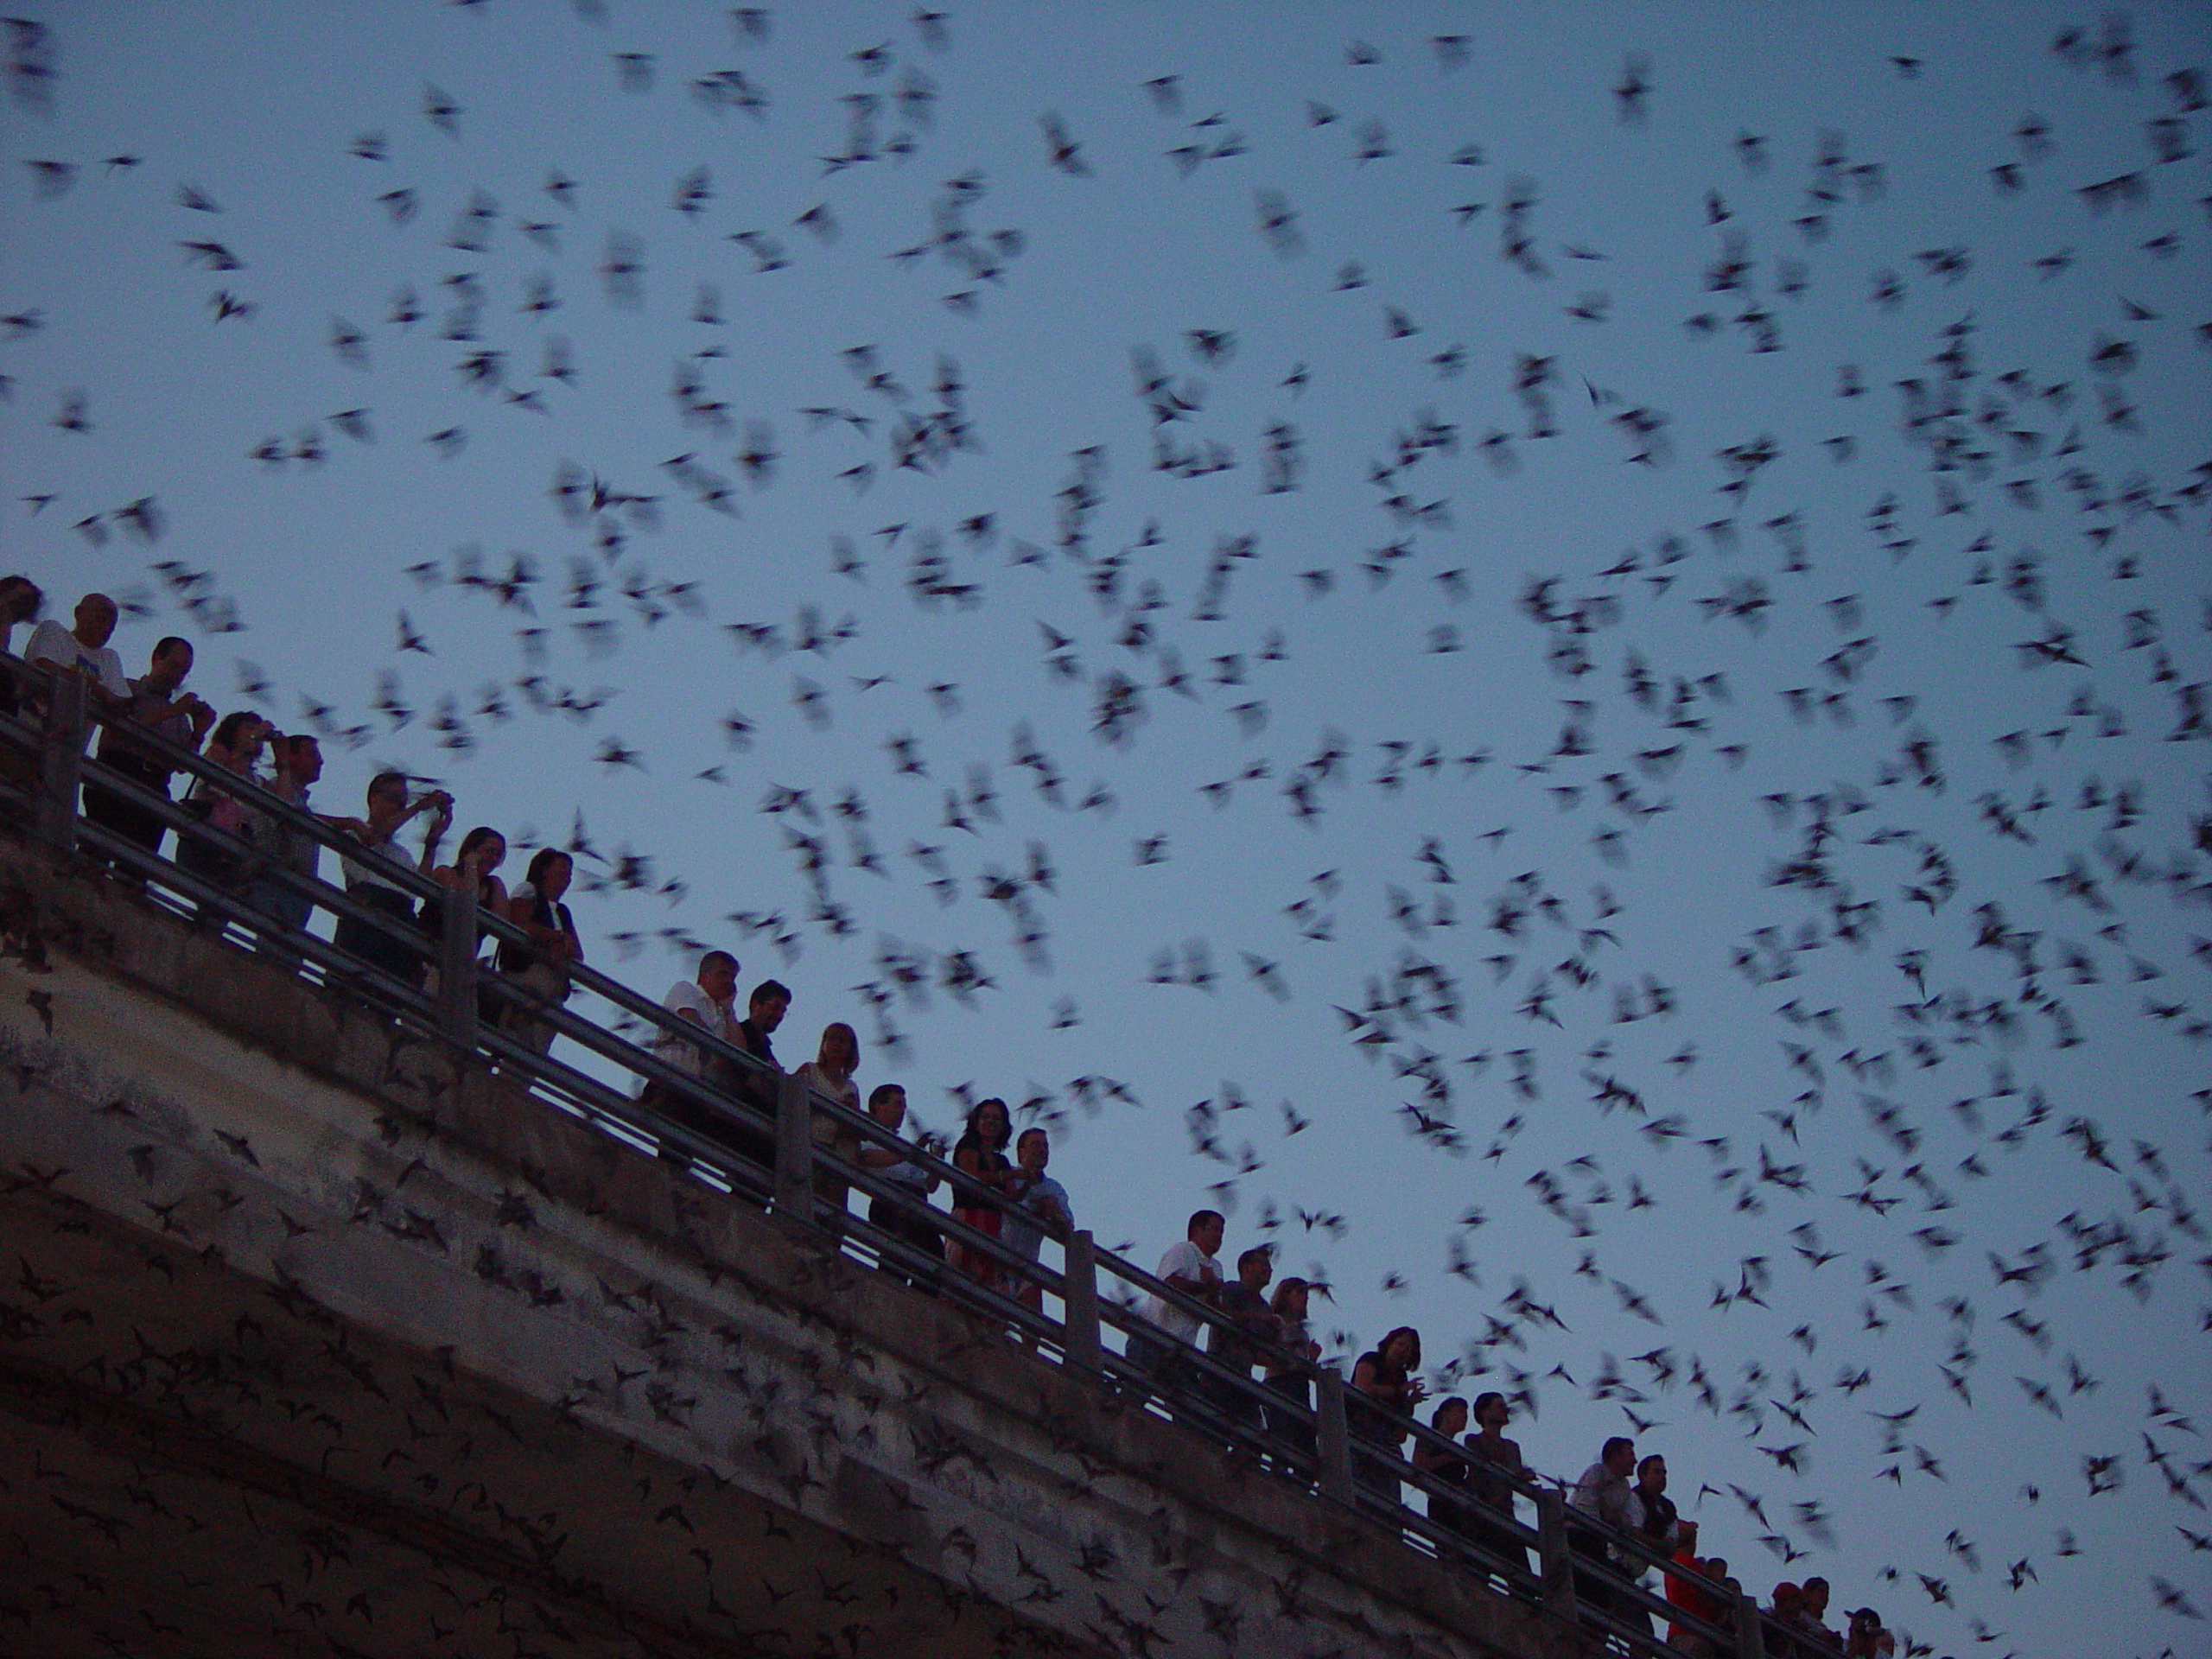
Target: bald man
(83,649)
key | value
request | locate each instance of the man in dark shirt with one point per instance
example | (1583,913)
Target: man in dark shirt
(1245,1302)
(1654,1511)
(756,1087)
(158,701)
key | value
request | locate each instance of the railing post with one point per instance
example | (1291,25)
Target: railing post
(62,760)
(1750,1640)
(1552,1547)
(794,1150)
(457,966)
(1080,1302)
(1332,1441)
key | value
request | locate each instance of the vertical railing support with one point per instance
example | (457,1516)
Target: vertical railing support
(1080,1300)
(794,1150)
(1333,1443)
(457,966)
(1558,1559)
(1750,1640)
(62,760)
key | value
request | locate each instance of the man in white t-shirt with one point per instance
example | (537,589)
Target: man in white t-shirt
(1193,1268)
(706,1002)
(83,649)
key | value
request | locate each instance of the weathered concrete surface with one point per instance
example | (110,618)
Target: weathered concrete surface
(323,1337)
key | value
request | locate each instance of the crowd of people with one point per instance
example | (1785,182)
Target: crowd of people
(391,936)
(1626,1495)
(1012,1199)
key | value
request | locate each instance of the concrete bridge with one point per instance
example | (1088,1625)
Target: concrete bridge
(318,1334)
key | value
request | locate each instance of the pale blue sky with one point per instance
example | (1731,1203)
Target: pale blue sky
(1865,171)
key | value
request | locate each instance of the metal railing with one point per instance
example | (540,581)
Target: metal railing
(1310,1442)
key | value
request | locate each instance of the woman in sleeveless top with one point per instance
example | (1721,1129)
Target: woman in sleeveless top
(540,969)
(234,746)
(981,1153)
(482,850)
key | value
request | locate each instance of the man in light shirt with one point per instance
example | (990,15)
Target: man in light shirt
(704,1002)
(1043,1203)
(83,649)
(1193,1268)
(1604,1494)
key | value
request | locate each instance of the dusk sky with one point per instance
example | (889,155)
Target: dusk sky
(1557,654)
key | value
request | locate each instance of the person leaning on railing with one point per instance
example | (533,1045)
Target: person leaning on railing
(382,943)
(1693,1585)
(1290,1366)
(278,847)
(475,869)
(1866,1639)
(887,1104)
(235,746)
(83,649)
(1243,1342)
(1387,1374)
(159,702)
(1453,1515)
(755,1084)
(704,1002)
(981,1152)
(1191,1265)
(830,1073)
(540,969)
(1493,1465)
(1604,1494)
(1044,1206)
(21,600)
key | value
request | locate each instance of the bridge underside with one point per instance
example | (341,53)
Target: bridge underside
(193,1462)
(319,1335)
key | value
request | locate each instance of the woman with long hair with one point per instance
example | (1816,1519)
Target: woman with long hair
(540,969)
(1286,1377)
(830,1072)
(1384,1375)
(481,852)
(235,744)
(981,1153)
